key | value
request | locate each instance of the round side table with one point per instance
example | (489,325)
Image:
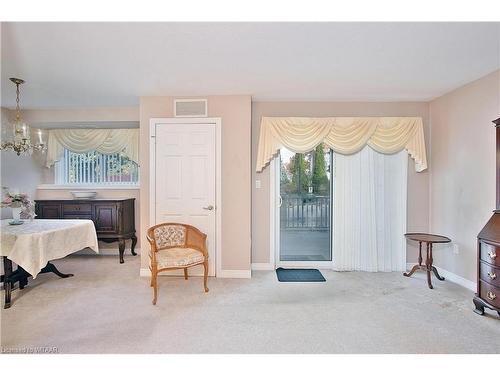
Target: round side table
(428,239)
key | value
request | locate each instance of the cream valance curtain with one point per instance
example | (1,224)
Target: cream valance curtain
(344,135)
(105,141)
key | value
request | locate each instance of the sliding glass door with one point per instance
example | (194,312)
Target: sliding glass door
(305,207)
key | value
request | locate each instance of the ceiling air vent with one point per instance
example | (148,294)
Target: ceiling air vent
(190,108)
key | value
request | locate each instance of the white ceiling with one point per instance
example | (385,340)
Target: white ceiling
(113,64)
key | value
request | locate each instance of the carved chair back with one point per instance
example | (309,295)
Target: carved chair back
(169,235)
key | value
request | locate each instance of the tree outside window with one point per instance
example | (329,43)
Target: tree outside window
(306,173)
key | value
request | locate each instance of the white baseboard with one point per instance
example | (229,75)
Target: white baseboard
(262,267)
(228,274)
(454,278)
(234,274)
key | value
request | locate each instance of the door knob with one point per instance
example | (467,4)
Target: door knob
(209,208)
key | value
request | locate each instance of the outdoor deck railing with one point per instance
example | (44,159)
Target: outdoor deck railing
(305,211)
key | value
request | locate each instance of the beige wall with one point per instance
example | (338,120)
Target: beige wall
(34,116)
(235,112)
(418,193)
(462,182)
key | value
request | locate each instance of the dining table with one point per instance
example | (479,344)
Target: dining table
(33,244)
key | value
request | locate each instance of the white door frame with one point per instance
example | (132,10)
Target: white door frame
(218,168)
(274,244)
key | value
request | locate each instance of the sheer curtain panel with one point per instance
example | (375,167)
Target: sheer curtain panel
(370,211)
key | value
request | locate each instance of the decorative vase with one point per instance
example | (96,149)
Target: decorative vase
(16,213)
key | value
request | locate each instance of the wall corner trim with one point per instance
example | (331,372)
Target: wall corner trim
(454,278)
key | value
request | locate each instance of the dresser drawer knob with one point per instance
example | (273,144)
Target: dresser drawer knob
(492,275)
(492,254)
(491,296)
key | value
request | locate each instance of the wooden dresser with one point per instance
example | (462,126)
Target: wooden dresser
(114,219)
(488,252)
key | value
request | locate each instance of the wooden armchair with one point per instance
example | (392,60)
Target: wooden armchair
(175,246)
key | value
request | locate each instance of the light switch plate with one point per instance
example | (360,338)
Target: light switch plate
(257,184)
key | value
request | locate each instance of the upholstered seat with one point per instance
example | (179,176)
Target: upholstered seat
(178,257)
(176,246)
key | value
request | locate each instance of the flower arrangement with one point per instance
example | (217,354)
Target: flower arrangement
(18,200)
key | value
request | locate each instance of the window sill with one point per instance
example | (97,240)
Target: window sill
(87,187)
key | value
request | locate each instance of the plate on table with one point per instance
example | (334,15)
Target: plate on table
(16,222)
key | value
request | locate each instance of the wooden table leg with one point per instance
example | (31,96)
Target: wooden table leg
(7,285)
(21,275)
(420,253)
(23,281)
(416,266)
(436,273)
(434,269)
(428,263)
(51,268)
(134,242)
(121,249)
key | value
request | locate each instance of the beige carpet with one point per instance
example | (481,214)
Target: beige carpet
(106,308)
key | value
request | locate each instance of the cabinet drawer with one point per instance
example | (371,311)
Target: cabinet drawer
(490,294)
(490,254)
(490,274)
(48,211)
(76,207)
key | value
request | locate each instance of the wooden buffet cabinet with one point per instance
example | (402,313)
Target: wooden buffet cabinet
(114,219)
(488,252)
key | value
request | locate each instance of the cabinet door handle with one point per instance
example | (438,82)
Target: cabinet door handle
(491,296)
(492,254)
(492,275)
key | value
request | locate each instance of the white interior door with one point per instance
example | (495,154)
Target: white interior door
(185,178)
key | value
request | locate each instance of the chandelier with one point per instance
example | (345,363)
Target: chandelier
(20,139)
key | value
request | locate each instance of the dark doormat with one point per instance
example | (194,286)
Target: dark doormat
(299,275)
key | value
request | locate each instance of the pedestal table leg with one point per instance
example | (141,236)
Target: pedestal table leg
(428,264)
(7,285)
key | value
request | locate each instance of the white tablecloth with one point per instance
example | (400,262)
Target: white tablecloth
(34,243)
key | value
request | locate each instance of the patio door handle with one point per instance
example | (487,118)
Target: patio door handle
(281,201)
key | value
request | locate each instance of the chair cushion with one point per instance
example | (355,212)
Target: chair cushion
(178,257)
(170,235)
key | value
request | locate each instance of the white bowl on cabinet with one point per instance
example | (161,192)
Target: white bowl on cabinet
(84,194)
